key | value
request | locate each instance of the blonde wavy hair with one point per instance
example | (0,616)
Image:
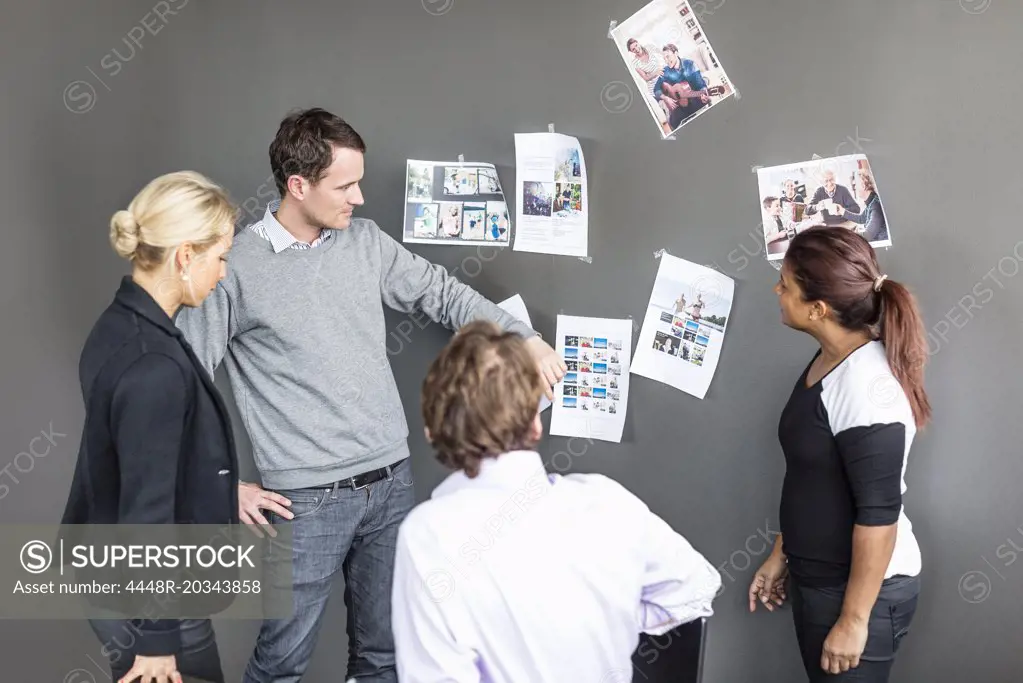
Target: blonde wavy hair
(178,207)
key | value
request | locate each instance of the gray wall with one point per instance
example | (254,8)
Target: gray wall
(929,90)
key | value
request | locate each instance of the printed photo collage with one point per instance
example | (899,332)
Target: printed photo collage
(455,204)
(594,372)
(681,334)
(562,198)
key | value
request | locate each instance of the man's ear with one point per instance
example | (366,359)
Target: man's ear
(536,429)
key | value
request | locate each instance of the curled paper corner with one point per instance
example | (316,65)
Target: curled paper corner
(585,259)
(659,253)
(611,27)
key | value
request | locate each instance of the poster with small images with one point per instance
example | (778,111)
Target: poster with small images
(451,202)
(684,326)
(590,401)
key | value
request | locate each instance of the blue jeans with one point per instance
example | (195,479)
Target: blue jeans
(337,528)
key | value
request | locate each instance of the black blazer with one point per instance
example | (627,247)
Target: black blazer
(157,445)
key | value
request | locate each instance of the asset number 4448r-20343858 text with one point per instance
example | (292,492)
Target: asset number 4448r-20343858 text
(196,587)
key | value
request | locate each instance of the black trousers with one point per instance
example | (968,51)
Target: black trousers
(815,611)
(199,659)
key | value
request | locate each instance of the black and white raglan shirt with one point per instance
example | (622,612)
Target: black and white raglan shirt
(846,441)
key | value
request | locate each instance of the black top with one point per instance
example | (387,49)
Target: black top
(157,444)
(845,440)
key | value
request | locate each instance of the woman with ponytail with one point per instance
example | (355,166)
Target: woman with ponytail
(846,546)
(157,445)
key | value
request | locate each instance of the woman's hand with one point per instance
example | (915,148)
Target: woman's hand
(153,670)
(844,645)
(768,584)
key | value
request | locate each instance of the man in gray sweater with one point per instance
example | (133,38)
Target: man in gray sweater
(299,325)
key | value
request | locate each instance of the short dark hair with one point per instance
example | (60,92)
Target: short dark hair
(769,200)
(304,145)
(480,396)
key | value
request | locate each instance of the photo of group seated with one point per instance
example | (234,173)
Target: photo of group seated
(838,192)
(671,63)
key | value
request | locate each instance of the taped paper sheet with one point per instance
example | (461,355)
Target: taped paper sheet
(591,400)
(452,202)
(838,192)
(672,63)
(551,196)
(684,326)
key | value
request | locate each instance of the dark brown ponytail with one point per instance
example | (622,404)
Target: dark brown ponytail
(839,267)
(905,344)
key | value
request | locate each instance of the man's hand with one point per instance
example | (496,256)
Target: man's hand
(844,645)
(252,499)
(551,367)
(153,670)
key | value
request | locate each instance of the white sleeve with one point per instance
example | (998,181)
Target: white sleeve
(680,584)
(425,649)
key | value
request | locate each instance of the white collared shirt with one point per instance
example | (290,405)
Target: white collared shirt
(271,229)
(518,576)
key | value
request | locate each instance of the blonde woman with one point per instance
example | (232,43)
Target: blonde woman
(157,445)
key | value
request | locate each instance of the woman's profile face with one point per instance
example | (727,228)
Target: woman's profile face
(795,312)
(206,269)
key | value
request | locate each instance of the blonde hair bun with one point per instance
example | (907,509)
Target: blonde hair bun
(124,233)
(178,207)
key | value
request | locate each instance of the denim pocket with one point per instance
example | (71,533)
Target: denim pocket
(902,616)
(304,502)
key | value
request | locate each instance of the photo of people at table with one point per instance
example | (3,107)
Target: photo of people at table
(671,63)
(838,192)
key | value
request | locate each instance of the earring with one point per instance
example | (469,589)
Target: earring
(184,276)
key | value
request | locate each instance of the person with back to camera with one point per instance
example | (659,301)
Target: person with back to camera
(510,575)
(157,444)
(846,545)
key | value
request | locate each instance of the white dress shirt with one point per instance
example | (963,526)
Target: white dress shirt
(517,576)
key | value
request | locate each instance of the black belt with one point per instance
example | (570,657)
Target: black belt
(361,481)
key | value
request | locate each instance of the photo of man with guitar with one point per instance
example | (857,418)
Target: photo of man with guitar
(681,88)
(672,63)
